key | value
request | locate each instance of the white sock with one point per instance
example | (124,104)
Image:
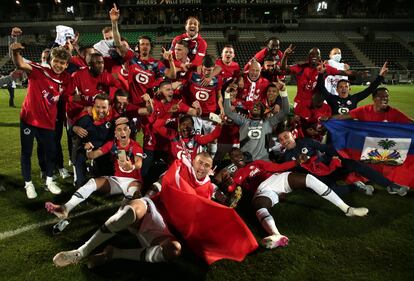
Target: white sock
(324,191)
(49,180)
(117,222)
(213,149)
(81,194)
(151,254)
(27,182)
(267,221)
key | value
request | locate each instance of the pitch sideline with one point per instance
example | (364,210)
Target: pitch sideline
(11,233)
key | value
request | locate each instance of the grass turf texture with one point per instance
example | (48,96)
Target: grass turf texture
(324,243)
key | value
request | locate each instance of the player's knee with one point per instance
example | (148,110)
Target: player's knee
(171,249)
(139,207)
(120,220)
(261,202)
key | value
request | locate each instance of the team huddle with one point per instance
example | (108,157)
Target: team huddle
(212,132)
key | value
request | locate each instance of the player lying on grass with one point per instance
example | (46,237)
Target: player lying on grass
(127,178)
(317,158)
(267,180)
(141,218)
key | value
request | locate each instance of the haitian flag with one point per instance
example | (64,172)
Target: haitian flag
(385,146)
(211,230)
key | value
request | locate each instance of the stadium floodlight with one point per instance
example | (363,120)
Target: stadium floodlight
(70,9)
(17,2)
(58,1)
(323,5)
(100,1)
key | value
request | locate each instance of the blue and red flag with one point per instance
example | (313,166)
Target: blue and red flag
(385,146)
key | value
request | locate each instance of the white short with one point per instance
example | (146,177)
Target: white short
(203,126)
(121,185)
(273,186)
(153,227)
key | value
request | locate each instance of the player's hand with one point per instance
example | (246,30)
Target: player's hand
(16,47)
(88,146)
(177,84)
(174,108)
(280,85)
(206,81)
(114,13)
(302,158)
(240,84)
(290,50)
(146,97)
(167,55)
(81,132)
(226,179)
(321,67)
(126,165)
(346,66)
(16,31)
(384,69)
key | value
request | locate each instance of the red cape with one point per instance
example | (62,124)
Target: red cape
(211,230)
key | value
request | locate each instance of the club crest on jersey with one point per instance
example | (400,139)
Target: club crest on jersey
(108,125)
(49,97)
(305,150)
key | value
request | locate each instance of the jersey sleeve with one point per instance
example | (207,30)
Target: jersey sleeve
(275,167)
(201,52)
(296,68)
(106,147)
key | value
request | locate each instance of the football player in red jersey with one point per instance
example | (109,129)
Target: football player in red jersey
(127,165)
(255,86)
(144,72)
(88,82)
(307,73)
(230,70)
(39,111)
(267,180)
(197,45)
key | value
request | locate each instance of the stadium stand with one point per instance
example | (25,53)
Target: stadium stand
(385,50)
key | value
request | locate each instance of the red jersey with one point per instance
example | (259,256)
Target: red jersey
(88,86)
(229,133)
(121,73)
(312,115)
(262,54)
(367,113)
(197,47)
(185,147)
(39,108)
(143,76)
(206,95)
(133,150)
(229,73)
(253,90)
(253,174)
(78,61)
(306,79)
(153,141)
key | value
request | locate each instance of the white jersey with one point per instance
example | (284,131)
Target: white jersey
(332,80)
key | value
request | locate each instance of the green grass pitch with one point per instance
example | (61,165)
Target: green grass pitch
(324,243)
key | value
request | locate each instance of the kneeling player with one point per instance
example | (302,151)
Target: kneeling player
(141,218)
(267,180)
(127,179)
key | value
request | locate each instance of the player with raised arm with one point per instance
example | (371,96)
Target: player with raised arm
(39,111)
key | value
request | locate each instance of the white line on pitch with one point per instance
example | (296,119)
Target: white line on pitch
(20,230)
